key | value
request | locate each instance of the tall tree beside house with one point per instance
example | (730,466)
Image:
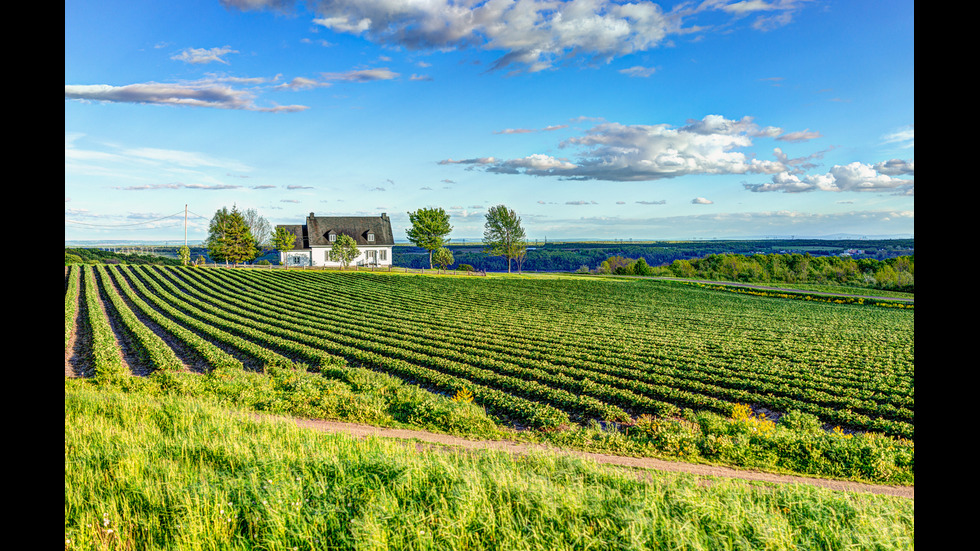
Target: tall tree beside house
(283,240)
(229,239)
(429,229)
(259,226)
(503,234)
(344,250)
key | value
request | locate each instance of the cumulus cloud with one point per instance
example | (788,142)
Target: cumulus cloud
(618,152)
(701,201)
(533,34)
(207,94)
(854,177)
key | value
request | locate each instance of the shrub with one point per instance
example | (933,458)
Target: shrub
(799,421)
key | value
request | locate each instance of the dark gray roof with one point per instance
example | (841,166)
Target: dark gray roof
(316,232)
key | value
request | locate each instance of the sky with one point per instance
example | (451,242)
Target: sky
(591,119)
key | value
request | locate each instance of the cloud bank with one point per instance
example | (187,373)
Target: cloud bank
(534,35)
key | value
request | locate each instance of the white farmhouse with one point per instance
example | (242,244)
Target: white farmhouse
(315,239)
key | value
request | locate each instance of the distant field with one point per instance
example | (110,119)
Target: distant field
(545,352)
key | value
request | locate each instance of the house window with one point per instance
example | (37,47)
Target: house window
(384,254)
(333,237)
(370,237)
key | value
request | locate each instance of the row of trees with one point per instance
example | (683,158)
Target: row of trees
(238,237)
(503,235)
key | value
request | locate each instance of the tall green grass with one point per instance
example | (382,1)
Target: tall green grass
(162,471)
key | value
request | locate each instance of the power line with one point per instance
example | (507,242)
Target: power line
(143,223)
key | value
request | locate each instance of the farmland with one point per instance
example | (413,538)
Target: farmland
(617,365)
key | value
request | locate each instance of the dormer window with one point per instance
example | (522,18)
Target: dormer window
(370,237)
(332,237)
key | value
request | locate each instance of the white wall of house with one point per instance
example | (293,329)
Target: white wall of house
(296,258)
(320,256)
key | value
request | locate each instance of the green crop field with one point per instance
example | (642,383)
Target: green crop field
(549,351)
(617,365)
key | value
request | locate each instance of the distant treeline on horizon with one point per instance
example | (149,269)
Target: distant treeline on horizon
(568,256)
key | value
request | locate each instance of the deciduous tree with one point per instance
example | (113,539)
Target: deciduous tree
(258,225)
(429,229)
(443,257)
(344,250)
(283,241)
(503,234)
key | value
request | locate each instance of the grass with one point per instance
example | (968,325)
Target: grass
(166,471)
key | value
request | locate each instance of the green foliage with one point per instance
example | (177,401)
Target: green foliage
(283,240)
(92,256)
(503,234)
(185,255)
(442,257)
(71,258)
(429,229)
(229,238)
(558,353)
(162,471)
(897,274)
(344,250)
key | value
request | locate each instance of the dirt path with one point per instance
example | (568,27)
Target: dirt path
(631,462)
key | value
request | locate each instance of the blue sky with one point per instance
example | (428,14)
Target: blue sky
(591,119)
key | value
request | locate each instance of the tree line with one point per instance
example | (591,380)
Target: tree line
(896,274)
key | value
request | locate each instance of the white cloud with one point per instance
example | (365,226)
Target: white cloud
(617,152)
(854,176)
(363,75)
(205,94)
(638,71)
(533,34)
(204,55)
(904,137)
(801,136)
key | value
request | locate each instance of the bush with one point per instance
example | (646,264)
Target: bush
(799,421)
(264,262)
(466,268)
(72,259)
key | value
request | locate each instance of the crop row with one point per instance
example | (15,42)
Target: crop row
(701,345)
(611,385)
(701,393)
(192,312)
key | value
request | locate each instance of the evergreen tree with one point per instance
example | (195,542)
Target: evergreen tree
(229,239)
